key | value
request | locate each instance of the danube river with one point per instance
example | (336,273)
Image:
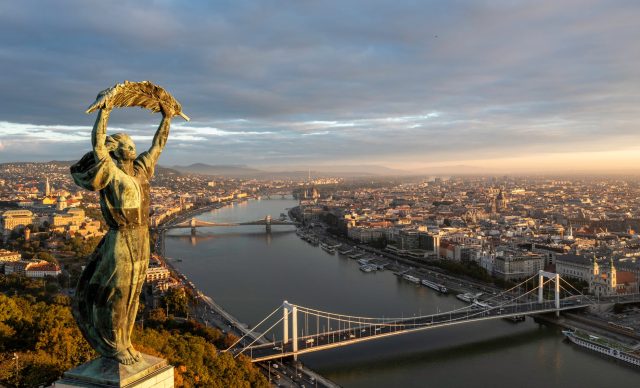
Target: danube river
(250,272)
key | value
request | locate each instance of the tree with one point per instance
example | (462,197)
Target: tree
(46,256)
(156,316)
(176,301)
(47,342)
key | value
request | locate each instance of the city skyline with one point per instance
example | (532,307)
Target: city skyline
(497,86)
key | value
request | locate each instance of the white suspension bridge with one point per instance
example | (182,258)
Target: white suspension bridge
(301,329)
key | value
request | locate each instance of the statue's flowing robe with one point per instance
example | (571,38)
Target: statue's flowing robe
(106,300)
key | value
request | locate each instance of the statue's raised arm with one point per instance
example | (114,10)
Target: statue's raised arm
(160,138)
(99,134)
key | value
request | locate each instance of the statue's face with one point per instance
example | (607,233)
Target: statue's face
(126,150)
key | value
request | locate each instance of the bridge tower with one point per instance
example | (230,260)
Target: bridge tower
(285,322)
(267,222)
(192,223)
(287,309)
(556,281)
(294,329)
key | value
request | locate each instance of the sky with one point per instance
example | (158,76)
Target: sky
(501,85)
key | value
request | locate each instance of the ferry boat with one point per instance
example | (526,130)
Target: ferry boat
(435,286)
(411,278)
(480,305)
(356,255)
(327,248)
(466,297)
(345,251)
(367,268)
(604,346)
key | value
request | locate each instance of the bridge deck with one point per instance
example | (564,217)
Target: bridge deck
(356,334)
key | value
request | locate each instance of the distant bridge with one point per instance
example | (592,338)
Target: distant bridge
(194,223)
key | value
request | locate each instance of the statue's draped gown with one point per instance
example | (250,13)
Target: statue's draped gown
(106,300)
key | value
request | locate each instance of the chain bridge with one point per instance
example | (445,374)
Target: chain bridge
(194,223)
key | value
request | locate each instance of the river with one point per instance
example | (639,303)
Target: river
(250,273)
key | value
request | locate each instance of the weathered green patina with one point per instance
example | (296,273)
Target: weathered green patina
(106,301)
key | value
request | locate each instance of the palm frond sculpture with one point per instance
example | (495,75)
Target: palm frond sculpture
(143,94)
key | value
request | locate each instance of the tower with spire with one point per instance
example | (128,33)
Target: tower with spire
(613,282)
(47,188)
(570,234)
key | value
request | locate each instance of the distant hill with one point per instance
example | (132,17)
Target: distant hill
(458,169)
(166,171)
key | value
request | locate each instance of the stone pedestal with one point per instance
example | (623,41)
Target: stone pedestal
(106,373)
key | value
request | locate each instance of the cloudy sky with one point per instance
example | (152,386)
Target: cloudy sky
(504,85)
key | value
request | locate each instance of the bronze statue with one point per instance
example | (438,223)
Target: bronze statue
(106,301)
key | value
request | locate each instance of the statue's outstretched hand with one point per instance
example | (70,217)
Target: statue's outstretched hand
(167,110)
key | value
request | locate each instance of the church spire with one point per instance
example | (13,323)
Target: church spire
(47,188)
(613,281)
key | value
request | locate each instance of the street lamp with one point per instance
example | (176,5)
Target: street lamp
(15,357)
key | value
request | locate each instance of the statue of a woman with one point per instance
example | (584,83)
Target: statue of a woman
(106,300)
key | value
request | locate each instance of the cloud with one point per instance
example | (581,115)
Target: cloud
(295,82)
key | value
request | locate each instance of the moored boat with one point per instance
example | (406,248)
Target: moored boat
(327,248)
(435,286)
(466,297)
(411,278)
(605,346)
(367,268)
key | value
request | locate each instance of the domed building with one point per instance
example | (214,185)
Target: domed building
(501,201)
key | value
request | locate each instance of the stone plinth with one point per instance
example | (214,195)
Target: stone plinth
(106,373)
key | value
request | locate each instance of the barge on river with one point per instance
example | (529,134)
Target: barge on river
(604,346)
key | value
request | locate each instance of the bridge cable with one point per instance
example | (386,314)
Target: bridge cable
(402,321)
(254,328)
(579,292)
(257,338)
(326,313)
